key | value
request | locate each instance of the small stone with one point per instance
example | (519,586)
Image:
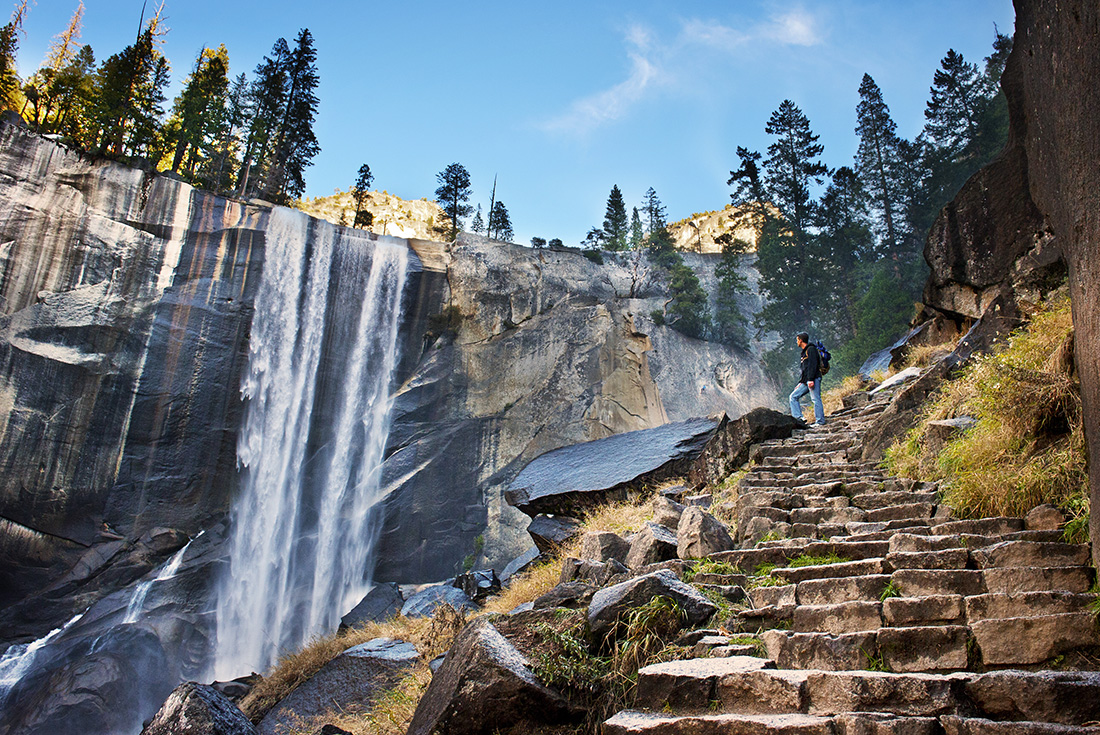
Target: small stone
(1044,517)
(700,534)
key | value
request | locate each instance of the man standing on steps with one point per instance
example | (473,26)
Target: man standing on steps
(809,382)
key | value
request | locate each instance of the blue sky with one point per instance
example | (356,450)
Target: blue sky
(562,100)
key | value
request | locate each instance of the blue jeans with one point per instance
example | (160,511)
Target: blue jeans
(815,396)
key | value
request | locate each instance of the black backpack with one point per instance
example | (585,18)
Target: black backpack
(823,363)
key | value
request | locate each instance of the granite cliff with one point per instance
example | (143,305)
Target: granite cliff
(126,310)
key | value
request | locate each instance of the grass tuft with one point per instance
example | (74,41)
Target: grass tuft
(1027,447)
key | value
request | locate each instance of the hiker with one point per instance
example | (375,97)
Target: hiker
(809,382)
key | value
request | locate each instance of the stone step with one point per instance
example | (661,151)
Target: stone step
(899,512)
(837,619)
(1009,580)
(859,568)
(1031,554)
(980,526)
(1035,639)
(843,589)
(777,595)
(943,559)
(876,500)
(835,516)
(924,648)
(632,722)
(690,683)
(845,652)
(747,560)
(924,611)
(925,582)
(903,524)
(957,725)
(848,549)
(1026,604)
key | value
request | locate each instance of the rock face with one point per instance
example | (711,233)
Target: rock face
(1033,215)
(1051,82)
(537,350)
(196,709)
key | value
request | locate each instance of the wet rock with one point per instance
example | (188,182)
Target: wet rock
(574,478)
(700,534)
(423,603)
(610,604)
(197,709)
(356,676)
(550,533)
(486,685)
(381,603)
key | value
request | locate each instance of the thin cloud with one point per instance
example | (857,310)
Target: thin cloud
(654,65)
(589,113)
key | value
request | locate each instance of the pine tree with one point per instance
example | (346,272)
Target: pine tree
(878,164)
(9,47)
(296,144)
(845,242)
(952,111)
(500,224)
(267,97)
(453,194)
(478,224)
(614,221)
(730,325)
(538,243)
(653,212)
(792,166)
(363,218)
(129,95)
(47,85)
(199,111)
(637,237)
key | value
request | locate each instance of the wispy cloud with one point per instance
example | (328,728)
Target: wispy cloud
(655,65)
(588,113)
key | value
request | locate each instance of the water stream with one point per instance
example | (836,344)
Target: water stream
(322,353)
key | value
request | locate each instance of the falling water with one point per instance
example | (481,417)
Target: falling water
(19,659)
(137,601)
(302,526)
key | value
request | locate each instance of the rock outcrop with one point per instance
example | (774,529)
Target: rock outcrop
(1020,225)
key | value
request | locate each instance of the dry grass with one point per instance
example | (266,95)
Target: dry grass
(834,397)
(924,355)
(1027,447)
(431,636)
(525,587)
(622,518)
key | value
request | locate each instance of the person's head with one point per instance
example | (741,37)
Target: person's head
(803,339)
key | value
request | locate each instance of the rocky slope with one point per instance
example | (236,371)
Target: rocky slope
(699,232)
(393,215)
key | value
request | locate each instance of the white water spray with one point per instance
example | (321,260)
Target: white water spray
(18,659)
(137,601)
(302,534)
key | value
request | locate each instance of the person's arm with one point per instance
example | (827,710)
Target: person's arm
(813,365)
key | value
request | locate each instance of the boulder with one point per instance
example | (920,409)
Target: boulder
(942,431)
(574,594)
(571,479)
(486,685)
(666,511)
(651,545)
(520,564)
(356,676)
(550,533)
(423,603)
(603,546)
(595,573)
(478,585)
(610,604)
(729,449)
(700,534)
(1045,517)
(197,709)
(381,603)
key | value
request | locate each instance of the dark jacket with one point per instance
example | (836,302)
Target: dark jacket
(811,364)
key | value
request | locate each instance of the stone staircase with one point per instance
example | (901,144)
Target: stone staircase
(880,612)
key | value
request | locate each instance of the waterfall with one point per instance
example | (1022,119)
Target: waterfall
(322,352)
(137,601)
(18,659)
